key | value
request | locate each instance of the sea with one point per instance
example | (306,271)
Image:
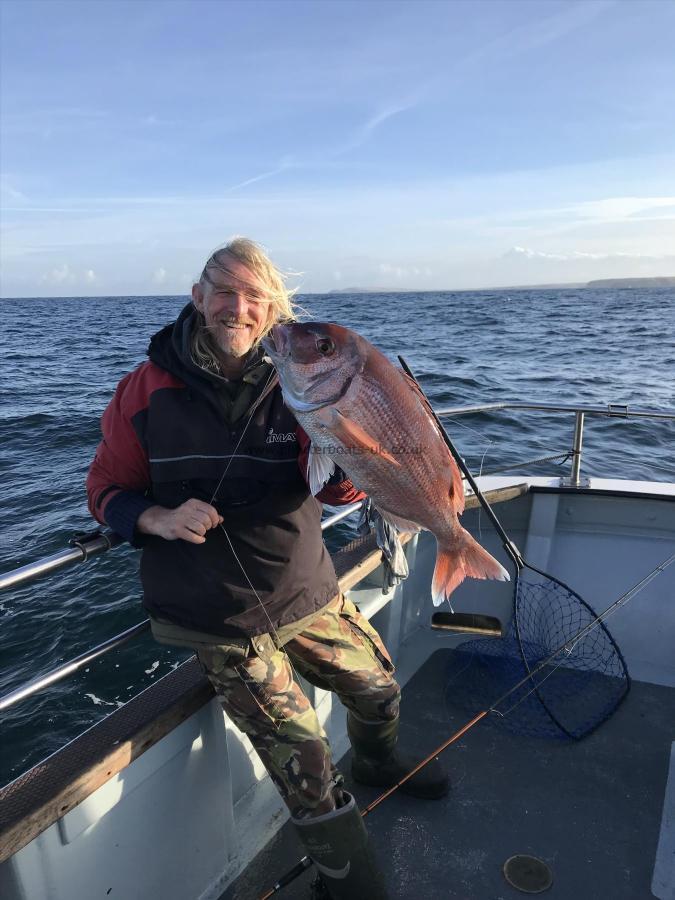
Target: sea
(61,358)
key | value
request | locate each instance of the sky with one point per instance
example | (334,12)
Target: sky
(396,145)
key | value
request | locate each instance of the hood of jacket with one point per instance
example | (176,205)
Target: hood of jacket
(170,349)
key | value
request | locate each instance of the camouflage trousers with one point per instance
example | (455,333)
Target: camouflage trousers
(339,651)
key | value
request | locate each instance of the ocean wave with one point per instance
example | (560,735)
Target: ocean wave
(466,347)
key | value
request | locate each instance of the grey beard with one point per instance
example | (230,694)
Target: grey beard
(235,353)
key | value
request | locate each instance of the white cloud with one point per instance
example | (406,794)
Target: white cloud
(528,253)
(10,192)
(387,269)
(159,276)
(359,137)
(62,276)
(379,118)
(613,209)
(59,275)
(402,272)
(549,29)
(460,228)
(285,164)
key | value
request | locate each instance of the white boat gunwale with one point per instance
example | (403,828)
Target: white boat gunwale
(53,787)
(194,689)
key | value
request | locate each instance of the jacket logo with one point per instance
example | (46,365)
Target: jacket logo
(279,438)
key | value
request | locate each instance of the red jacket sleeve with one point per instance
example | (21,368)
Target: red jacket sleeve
(119,476)
(339,491)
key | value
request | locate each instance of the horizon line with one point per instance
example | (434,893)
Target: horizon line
(384,290)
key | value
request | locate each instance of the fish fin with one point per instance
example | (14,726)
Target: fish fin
(354,436)
(319,469)
(456,490)
(397,521)
(415,388)
(455,564)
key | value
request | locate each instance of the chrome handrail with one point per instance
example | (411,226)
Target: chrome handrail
(339,516)
(109,539)
(83,549)
(80,551)
(100,542)
(611,411)
(58,674)
(106,539)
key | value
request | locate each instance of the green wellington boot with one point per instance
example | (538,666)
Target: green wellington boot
(377,762)
(337,843)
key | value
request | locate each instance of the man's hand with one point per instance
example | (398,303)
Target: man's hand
(188,522)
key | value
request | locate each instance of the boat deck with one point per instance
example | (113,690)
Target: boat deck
(591,810)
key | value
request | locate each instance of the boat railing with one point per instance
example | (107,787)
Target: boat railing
(86,546)
(610,411)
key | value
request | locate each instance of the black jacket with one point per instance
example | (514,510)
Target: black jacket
(165,440)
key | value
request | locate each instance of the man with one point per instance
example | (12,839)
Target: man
(203,467)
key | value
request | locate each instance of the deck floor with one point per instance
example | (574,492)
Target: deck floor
(591,810)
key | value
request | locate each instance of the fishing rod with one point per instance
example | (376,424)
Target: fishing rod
(530,598)
(509,546)
(567,647)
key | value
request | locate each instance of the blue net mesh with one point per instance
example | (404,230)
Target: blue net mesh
(569,697)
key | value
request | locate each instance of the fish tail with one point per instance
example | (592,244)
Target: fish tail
(454,564)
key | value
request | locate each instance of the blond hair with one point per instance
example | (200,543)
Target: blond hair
(279,297)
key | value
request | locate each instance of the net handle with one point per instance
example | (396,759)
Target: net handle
(508,544)
(624,598)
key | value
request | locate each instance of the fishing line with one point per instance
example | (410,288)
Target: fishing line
(480,473)
(482,461)
(565,454)
(535,687)
(274,631)
(255,406)
(278,643)
(569,646)
(306,861)
(472,653)
(561,459)
(469,428)
(545,609)
(528,598)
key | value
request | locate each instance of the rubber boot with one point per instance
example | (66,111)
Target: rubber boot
(377,762)
(337,843)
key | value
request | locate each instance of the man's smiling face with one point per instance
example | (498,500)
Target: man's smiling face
(235,306)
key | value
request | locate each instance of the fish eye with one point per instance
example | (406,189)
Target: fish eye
(325,346)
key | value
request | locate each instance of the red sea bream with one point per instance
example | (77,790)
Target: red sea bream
(365,415)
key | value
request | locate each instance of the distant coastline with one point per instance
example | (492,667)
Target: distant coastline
(658,281)
(614,283)
(665,281)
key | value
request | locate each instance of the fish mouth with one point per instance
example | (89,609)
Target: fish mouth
(277,343)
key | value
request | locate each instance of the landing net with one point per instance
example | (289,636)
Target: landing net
(572,695)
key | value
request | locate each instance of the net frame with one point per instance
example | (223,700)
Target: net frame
(614,663)
(554,632)
(520,565)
